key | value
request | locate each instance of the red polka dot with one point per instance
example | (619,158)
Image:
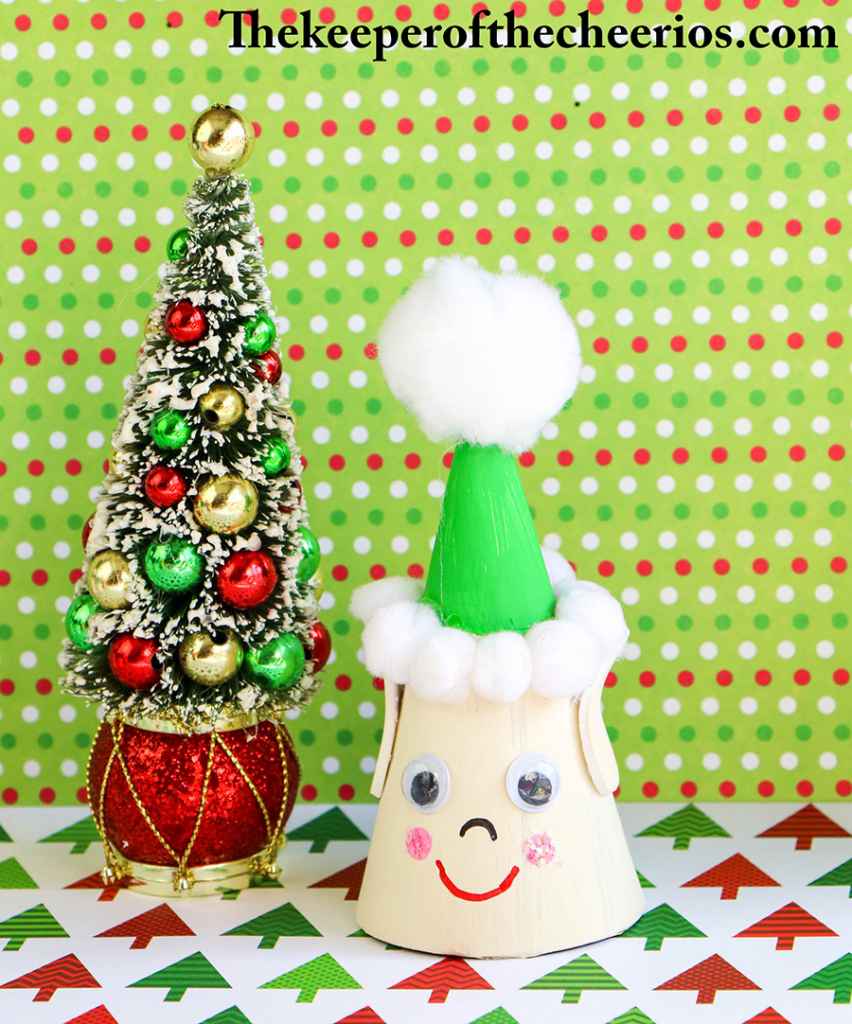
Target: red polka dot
(10,795)
(715,229)
(676,231)
(644,567)
(339,573)
(29,246)
(445,236)
(443,125)
(840,676)
(367,126)
(378,572)
(675,117)
(346,791)
(326,15)
(765,787)
(39,577)
(680,455)
(43,687)
(688,789)
(331,240)
(792,113)
(647,678)
(336,462)
(752,115)
(797,453)
(35,467)
(174,19)
(403,12)
(47,794)
(804,787)
(599,233)
(565,457)
(522,235)
(801,677)
(685,677)
(793,227)
(754,229)
(606,568)
(758,453)
(308,792)
(369,239)
(713,116)
(727,788)
(831,112)
(558,121)
(293,241)
(412,461)
(560,233)
(7,687)
(296,352)
(763,677)
(343,683)
(683,567)
(724,677)
(760,566)
(642,456)
(98,21)
(799,565)
(483,236)
(838,564)
(375,461)
(23,23)
(26,135)
(597,120)
(365,14)
(329,128)
(405,125)
(650,789)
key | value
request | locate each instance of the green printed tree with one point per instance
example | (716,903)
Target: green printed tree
(841,875)
(13,876)
(193,971)
(233,1015)
(632,1016)
(835,977)
(35,923)
(332,825)
(659,924)
(309,978)
(644,882)
(576,977)
(684,825)
(496,1016)
(4,836)
(81,835)
(255,882)
(285,921)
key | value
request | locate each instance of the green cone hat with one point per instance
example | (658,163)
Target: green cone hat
(487,573)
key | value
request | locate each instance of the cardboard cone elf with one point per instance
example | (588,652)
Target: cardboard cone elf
(497,834)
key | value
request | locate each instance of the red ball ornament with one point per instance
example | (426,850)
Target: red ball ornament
(320,646)
(185,323)
(164,486)
(165,777)
(247,579)
(87,530)
(268,367)
(131,660)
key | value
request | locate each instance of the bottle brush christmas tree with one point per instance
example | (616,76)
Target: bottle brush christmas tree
(195,621)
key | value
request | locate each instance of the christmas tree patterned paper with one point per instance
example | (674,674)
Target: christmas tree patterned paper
(684,825)
(97,1015)
(331,826)
(108,890)
(805,825)
(194,971)
(785,925)
(144,927)
(575,978)
(232,1015)
(282,922)
(835,977)
(731,875)
(768,1016)
(707,978)
(659,924)
(349,878)
(81,835)
(35,923)
(841,875)
(13,876)
(366,1015)
(66,972)
(323,972)
(447,975)
(632,1016)
(496,1016)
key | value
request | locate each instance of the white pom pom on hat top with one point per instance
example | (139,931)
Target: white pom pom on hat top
(480,357)
(404,642)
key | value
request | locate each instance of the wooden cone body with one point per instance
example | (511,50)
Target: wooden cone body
(587,891)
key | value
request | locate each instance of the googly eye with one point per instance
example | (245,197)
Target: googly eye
(532,782)
(426,783)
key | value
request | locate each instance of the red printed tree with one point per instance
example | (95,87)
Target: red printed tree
(347,878)
(731,875)
(768,1016)
(97,1015)
(160,920)
(805,825)
(66,972)
(366,1015)
(109,891)
(786,924)
(707,978)
(453,972)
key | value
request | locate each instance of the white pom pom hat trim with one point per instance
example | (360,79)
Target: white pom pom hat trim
(404,642)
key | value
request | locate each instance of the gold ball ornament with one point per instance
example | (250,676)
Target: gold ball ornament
(221,140)
(211,659)
(108,579)
(226,504)
(221,407)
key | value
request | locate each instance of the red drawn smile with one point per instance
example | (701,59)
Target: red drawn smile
(463,894)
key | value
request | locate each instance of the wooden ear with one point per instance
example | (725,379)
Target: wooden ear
(393,703)
(597,749)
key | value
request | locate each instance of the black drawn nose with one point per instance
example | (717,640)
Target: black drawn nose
(479,823)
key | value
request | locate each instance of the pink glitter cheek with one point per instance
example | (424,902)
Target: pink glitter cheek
(418,842)
(539,849)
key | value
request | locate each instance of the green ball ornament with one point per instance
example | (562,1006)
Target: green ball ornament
(177,245)
(310,555)
(77,618)
(278,664)
(173,565)
(277,457)
(170,430)
(259,335)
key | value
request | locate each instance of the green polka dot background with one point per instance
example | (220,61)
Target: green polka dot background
(688,205)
